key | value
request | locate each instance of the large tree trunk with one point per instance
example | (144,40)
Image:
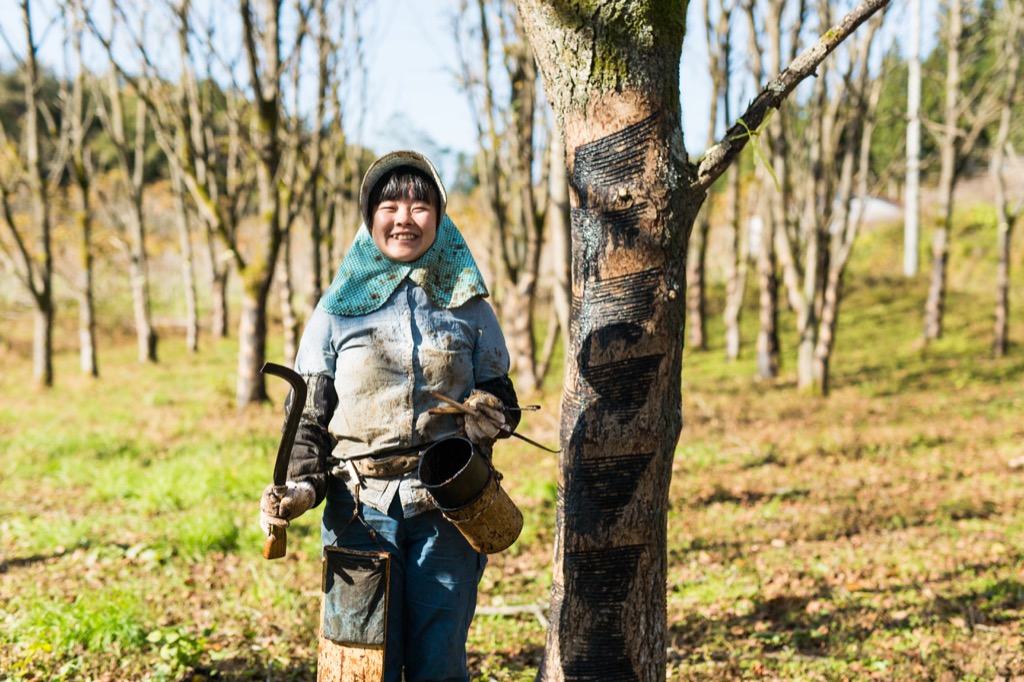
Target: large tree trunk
(621,417)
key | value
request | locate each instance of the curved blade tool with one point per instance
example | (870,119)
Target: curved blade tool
(277,542)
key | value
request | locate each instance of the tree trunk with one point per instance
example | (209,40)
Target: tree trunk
(561,237)
(767,304)
(631,215)
(252,348)
(188,276)
(289,322)
(138,271)
(716,38)
(263,52)
(218,291)
(1005,216)
(912,189)
(935,304)
(736,268)
(695,294)
(42,287)
(80,167)
(86,309)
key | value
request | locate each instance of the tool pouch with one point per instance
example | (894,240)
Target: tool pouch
(355,588)
(354,613)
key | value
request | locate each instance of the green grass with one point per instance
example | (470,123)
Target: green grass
(875,534)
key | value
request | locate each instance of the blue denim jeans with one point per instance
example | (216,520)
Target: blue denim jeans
(434,577)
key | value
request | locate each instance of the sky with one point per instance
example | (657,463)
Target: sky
(412,99)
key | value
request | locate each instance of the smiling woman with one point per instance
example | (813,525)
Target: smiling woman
(405,321)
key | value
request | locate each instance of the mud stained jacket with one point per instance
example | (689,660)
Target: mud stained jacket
(368,382)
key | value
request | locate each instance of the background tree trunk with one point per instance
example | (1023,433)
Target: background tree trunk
(188,276)
(935,303)
(716,36)
(42,283)
(912,186)
(1006,216)
(80,167)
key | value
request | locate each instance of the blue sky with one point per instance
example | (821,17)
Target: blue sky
(411,99)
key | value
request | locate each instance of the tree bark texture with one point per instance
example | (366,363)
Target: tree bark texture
(615,92)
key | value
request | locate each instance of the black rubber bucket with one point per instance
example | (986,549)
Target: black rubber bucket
(470,495)
(453,472)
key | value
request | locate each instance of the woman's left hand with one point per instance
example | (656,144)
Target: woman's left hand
(488,420)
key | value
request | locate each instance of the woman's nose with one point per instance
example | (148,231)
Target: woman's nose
(403,214)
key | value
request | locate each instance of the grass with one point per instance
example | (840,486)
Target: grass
(875,534)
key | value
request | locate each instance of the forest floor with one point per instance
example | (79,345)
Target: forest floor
(872,534)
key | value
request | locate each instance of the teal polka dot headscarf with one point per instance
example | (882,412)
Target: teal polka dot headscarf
(366,279)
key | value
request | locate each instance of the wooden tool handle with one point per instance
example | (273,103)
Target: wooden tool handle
(277,543)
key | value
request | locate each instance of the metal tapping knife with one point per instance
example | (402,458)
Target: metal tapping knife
(277,542)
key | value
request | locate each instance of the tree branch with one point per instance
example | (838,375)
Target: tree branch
(716,159)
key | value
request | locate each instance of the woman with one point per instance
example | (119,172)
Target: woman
(405,316)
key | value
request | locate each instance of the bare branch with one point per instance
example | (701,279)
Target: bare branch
(716,159)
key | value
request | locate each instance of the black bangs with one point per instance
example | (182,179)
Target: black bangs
(404,182)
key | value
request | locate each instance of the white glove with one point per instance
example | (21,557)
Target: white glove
(278,506)
(483,427)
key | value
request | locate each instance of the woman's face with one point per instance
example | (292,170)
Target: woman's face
(403,229)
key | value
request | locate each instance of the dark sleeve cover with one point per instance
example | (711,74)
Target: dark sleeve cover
(502,388)
(313,441)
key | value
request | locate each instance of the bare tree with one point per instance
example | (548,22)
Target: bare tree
(76,121)
(777,187)
(183,217)
(834,119)
(1006,214)
(33,266)
(912,189)
(131,162)
(611,74)
(966,115)
(716,37)
(506,134)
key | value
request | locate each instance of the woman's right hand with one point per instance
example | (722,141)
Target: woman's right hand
(279,505)
(488,418)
